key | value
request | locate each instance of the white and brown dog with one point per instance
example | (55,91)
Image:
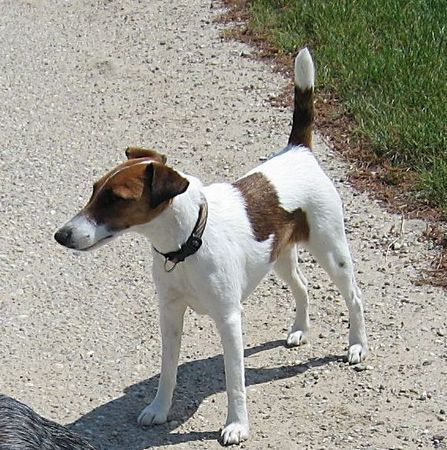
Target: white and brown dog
(213,245)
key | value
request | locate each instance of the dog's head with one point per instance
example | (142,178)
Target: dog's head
(131,194)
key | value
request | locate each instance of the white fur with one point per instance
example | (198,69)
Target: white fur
(304,70)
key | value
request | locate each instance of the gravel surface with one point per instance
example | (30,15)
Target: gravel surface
(79,342)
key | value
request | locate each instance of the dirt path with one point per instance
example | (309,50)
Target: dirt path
(81,80)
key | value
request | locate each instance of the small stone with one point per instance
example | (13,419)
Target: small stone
(440,332)
(360,367)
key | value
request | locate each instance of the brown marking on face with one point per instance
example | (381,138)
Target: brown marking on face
(138,152)
(133,193)
(267,217)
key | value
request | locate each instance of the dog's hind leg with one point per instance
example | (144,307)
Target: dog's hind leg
(286,267)
(331,251)
(171,324)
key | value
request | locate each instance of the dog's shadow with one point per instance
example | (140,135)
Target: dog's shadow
(113,426)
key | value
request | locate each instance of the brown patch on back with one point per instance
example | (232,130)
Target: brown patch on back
(267,217)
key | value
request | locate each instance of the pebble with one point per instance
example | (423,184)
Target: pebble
(362,367)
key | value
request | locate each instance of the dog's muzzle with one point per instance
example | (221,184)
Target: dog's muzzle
(82,233)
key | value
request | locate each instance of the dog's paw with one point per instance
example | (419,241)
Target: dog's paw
(296,338)
(234,433)
(357,353)
(152,415)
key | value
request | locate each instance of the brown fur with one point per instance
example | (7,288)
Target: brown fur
(165,183)
(267,217)
(138,152)
(303,118)
(133,194)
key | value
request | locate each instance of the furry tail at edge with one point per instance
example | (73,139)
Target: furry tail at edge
(303,113)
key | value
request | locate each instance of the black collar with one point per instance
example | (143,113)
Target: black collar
(193,243)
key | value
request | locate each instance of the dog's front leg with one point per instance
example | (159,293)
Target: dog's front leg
(171,324)
(236,427)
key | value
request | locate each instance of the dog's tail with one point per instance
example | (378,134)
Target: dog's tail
(303,113)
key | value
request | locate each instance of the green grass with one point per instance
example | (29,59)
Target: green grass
(387,60)
(434,183)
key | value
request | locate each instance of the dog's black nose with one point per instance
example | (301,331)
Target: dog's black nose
(63,236)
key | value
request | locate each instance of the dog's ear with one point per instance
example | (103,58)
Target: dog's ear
(163,183)
(138,152)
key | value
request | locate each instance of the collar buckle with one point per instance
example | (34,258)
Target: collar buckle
(169,269)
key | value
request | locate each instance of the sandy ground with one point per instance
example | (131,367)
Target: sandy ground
(79,342)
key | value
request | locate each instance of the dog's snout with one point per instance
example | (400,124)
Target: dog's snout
(64,236)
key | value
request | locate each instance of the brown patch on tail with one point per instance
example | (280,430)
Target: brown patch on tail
(267,217)
(303,118)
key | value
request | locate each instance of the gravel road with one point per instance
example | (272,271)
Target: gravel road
(81,80)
